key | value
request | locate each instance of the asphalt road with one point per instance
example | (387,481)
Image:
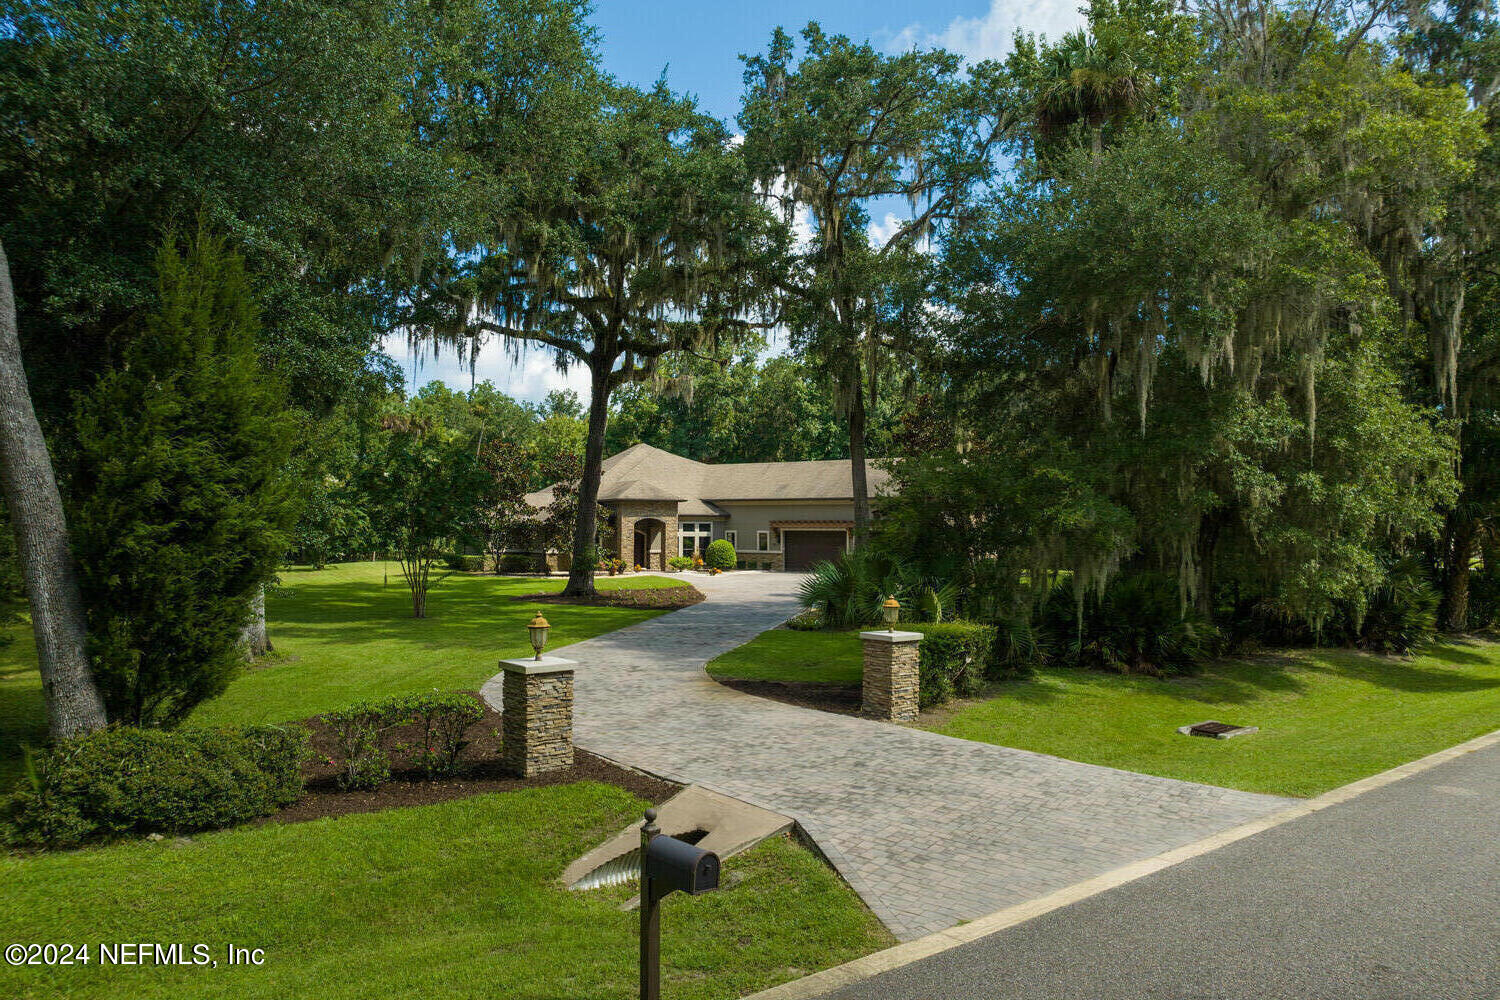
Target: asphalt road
(1394,895)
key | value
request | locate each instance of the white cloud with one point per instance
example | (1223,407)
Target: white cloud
(529,377)
(882,231)
(989,35)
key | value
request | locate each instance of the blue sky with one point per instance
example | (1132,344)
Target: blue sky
(698,45)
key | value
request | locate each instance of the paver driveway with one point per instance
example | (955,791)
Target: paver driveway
(928,829)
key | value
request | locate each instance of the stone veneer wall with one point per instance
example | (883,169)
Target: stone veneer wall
(537,722)
(891,678)
(631,511)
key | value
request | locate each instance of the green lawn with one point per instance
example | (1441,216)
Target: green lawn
(346,634)
(455,900)
(452,900)
(23,716)
(1327,717)
(787,655)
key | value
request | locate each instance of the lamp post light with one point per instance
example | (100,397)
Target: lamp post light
(890,611)
(538,629)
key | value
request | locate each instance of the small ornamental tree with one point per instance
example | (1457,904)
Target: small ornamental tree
(424,485)
(184,506)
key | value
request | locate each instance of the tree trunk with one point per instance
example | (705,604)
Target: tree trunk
(581,573)
(254,638)
(857,465)
(74,704)
(1459,543)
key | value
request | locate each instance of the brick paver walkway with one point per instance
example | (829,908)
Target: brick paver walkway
(928,829)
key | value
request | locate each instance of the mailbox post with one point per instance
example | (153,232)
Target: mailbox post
(667,865)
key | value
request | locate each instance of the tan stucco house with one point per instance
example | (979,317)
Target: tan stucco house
(778,515)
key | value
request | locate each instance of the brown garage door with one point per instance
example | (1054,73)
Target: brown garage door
(803,548)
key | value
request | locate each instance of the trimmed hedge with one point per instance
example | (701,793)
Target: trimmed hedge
(517,562)
(680,562)
(955,659)
(121,782)
(719,554)
(461,563)
(365,752)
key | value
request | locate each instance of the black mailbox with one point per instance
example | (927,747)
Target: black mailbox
(673,865)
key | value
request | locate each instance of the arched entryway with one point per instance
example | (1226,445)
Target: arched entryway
(650,549)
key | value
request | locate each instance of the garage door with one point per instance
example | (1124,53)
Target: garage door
(803,548)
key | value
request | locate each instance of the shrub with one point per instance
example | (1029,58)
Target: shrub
(364,752)
(1136,627)
(680,563)
(183,499)
(720,554)
(364,761)
(1402,614)
(443,718)
(1484,599)
(462,563)
(118,782)
(1019,647)
(955,658)
(849,590)
(516,562)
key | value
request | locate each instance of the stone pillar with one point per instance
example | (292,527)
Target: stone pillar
(537,716)
(891,676)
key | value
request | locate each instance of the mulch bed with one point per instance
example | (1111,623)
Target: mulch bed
(665,598)
(845,699)
(480,773)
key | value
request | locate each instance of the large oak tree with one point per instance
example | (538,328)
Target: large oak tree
(641,238)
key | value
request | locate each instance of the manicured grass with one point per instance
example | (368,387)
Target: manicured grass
(457,900)
(346,634)
(23,715)
(787,655)
(1327,717)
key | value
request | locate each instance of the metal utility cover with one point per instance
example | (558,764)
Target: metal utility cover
(1217,730)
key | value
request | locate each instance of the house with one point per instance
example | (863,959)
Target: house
(777,515)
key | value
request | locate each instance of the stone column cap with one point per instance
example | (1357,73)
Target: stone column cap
(530,665)
(894,637)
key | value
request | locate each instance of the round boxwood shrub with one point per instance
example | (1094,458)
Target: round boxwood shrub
(121,782)
(719,554)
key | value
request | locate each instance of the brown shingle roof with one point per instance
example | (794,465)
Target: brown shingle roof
(642,472)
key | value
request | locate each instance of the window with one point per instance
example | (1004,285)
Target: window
(694,536)
(762,541)
(729,536)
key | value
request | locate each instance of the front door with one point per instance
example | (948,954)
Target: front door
(640,549)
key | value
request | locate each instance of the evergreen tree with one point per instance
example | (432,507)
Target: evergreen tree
(184,506)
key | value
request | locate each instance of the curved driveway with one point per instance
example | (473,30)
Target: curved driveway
(928,829)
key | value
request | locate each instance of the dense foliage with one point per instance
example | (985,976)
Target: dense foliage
(123,782)
(183,505)
(1185,340)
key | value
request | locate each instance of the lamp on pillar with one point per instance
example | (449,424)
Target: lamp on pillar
(538,628)
(890,613)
